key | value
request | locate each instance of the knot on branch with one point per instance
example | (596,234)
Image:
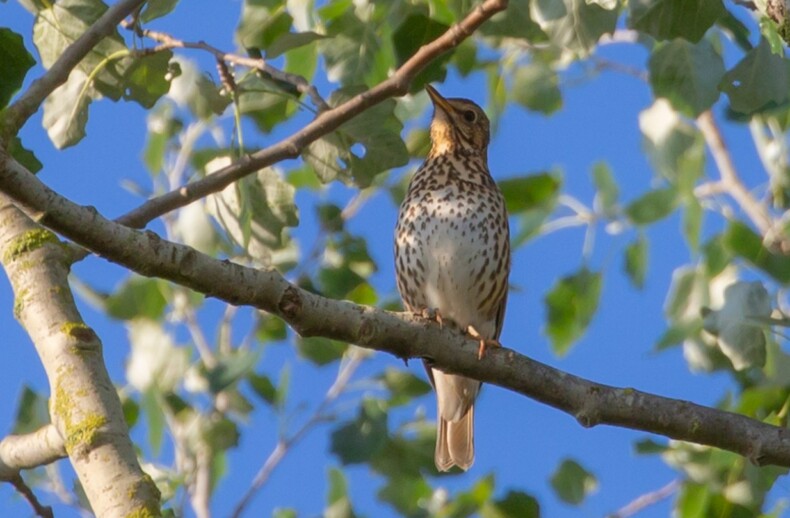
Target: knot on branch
(290,305)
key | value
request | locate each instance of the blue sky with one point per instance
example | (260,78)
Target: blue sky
(519,440)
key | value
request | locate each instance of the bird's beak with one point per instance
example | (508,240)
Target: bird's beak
(437,99)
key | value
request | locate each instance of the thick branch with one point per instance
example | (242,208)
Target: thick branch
(291,147)
(402,335)
(84,405)
(17,114)
(31,450)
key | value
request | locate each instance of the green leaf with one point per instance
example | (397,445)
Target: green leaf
(205,100)
(263,387)
(606,187)
(16,62)
(137,297)
(515,504)
(262,23)
(572,482)
(320,351)
(649,447)
(687,74)
(146,78)
(325,156)
(692,222)
(743,242)
(378,129)
(413,32)
(358,440)
(339,505)
(31,412)
(264,101)
(154,418)
(761,80)
(571,304)
(531,192)
(668,19)
(677,333)
(573,26)
(350,51)
(157,8)
(653,206)
(283,387)
(23,155)
(515,22)
(717,256)
(280,512)
(636,261)
(230,368)
(255,211)
(536,87)
(408,454)
(291,40)
(405,494)
(403,386)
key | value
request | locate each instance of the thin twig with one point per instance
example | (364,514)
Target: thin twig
(41,510)
(300,83)
(729,175)
(345,373)
(644,501)
(29,102)
(291,147)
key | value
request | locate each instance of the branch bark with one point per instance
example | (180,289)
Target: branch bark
(84,406)
(396,85)
(30,450)
(28,103)
(400,334)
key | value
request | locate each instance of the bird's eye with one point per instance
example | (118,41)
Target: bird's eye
(470,116)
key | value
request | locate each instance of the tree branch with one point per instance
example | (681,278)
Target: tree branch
(397,84)
(30,450)
(26,105)
(299,83)
(84,407)
(400,334)
(729,175)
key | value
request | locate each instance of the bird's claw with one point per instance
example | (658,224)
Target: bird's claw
(484,342)
(433,315)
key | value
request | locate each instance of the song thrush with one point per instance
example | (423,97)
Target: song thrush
(452,256)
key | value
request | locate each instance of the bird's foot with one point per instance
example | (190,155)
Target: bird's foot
(433,315)
(484,342)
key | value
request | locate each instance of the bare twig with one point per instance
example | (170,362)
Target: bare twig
(347,370)
(327,121)
(644,501)
(26,105)
(300,83)
(401,334)
(730,180)
(40,510)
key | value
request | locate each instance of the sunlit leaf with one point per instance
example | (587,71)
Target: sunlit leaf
(573,25)
(607,188)
(157,8)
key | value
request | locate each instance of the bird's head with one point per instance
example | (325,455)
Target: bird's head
(458,125)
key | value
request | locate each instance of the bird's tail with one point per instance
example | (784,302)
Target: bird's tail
(455,442)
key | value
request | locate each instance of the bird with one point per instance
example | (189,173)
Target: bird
(452,257)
